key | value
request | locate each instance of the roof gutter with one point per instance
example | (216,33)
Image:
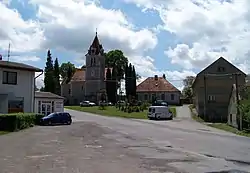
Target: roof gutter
(35,90)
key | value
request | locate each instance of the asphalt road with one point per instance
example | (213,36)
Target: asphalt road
(182,143)
(98,144)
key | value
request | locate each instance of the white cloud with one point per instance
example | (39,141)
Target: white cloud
(39,79)
(25,58)
(206,30)
(23,35)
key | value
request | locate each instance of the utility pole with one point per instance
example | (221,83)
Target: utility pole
(238,101)
(9,53)
(205,97)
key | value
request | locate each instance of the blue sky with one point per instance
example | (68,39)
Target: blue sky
(157,36)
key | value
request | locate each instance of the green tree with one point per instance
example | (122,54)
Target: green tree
(133,82)
(187,90)
(109,84)
(67,70)
(57,78)
(114,85)
(49,74)
(116,58)
(129,81)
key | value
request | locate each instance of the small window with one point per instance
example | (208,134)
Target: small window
(53,105)
(39,107)
(69,91)
(163,96)
(9,78)
(172,96)
(145,97)
(221,69)
(211,98)
(82,87)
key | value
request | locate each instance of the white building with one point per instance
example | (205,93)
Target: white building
(46,103)
(17,85)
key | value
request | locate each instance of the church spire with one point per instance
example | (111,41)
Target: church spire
(96,48)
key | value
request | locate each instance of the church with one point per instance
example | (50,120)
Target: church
(87,83)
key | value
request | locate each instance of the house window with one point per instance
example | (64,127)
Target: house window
(39,107)
(82,87)
(211,98)
(69,91)
(52,106)
(9,78)
(163,96)
(172,96)
(15,106)
(145,97)
(221,69)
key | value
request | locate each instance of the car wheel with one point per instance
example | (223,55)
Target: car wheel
(69,122)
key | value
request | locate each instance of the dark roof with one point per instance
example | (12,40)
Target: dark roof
(79,75)
(97,46)
(153,85)
(219,59)
(19,66)
(39,94)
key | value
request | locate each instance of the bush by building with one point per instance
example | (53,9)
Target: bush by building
(18,121)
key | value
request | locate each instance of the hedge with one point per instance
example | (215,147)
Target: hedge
(18,121)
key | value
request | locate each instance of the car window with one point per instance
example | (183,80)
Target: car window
(52,115)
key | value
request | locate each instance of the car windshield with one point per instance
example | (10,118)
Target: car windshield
(51,115)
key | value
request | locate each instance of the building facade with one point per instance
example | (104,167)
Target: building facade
(17,86)
(212,89)
(87,83)
(95,72)
(158,88)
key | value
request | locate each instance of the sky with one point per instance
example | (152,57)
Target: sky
(171,37)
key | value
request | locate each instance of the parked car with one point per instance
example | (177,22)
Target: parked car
(87,103)
(159,112)
(159,103)
(57,118)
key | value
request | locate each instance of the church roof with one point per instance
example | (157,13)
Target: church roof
(96,45)
(79,75)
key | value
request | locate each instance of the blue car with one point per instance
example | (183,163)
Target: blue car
(57,118)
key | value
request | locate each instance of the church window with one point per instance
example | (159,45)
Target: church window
(94,61)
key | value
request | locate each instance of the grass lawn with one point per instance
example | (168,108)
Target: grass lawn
(113,112)
(3,132)
(221,126)
(225,127)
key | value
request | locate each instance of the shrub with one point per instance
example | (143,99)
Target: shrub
(18,121)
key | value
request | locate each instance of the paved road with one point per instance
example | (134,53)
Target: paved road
(170,143)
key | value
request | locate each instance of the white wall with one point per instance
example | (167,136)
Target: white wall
(58,103)
(23,89)
(167,96)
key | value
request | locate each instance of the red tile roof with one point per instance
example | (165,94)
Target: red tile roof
(153,85)
(79,75)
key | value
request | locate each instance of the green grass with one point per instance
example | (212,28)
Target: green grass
(194,116)
(3,132)
(113,112)
(228,128)
(221,126)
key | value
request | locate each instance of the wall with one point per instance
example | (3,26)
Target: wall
(167,97)
(59,102)
(77,92)
(24,88)
(232,109)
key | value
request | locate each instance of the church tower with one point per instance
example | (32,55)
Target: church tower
(95,71)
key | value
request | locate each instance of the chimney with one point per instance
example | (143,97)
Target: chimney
(156,77)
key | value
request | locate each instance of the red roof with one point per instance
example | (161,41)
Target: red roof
(79,75)
(159,84)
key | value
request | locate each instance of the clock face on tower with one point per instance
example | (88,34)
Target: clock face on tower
(93,73)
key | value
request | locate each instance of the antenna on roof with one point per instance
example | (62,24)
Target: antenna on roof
(9,53)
